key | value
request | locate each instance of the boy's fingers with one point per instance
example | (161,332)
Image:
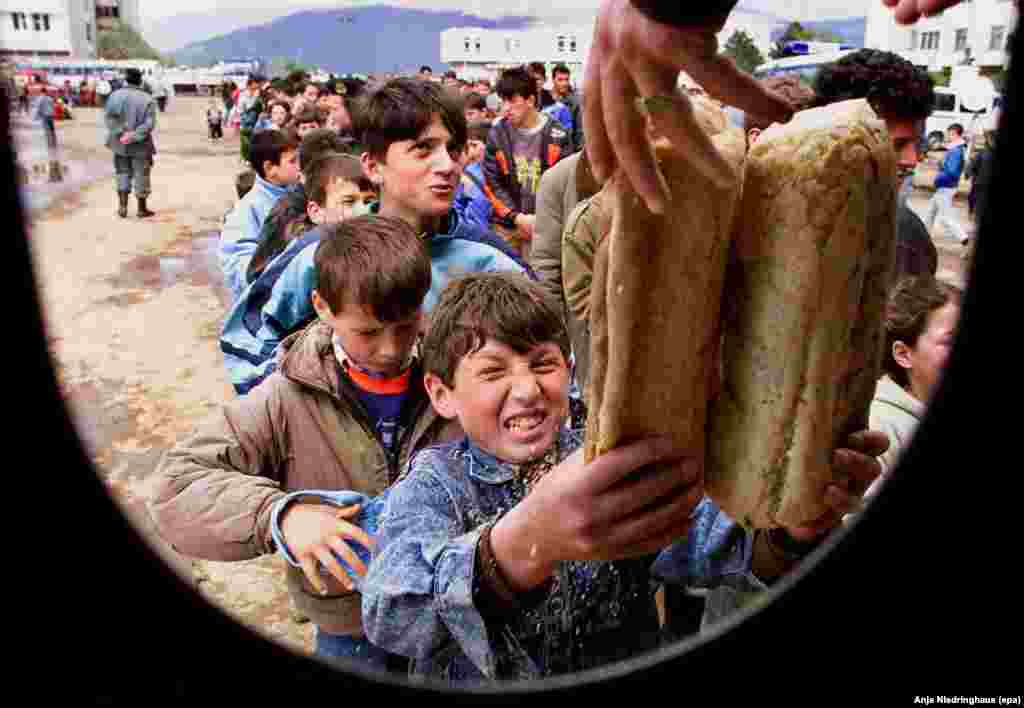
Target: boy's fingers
(860,469)
(870,442)
(312,573)
(331,564)
(645,487)
(612,466)
(354,562)
(347,512)
(347,530)
(662,524)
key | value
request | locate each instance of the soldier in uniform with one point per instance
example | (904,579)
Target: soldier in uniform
(131,118)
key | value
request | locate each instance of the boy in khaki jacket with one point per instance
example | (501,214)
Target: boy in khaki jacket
(345,410)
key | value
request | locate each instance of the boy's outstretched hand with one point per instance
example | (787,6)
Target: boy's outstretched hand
(910,11)
(856,467)
(315,533)
(632,501)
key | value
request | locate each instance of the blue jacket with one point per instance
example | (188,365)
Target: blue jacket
(471,200)
(418,594)
(952,168)
(277,302)
(241,233)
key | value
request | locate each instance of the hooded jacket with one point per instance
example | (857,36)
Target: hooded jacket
(897,414)
(305,427)
(277,302)
(503,188)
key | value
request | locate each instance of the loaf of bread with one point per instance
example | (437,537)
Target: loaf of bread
(654,305)
(803,312)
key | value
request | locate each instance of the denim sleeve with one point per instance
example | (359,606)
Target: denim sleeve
(717,551)
(289,305)
(418,592)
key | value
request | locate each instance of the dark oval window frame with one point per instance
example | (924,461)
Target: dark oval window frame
(908,601)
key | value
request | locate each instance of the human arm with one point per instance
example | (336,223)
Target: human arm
(496,167)
(418,592)
(587,225)
(638,50)
(910,11)
(546,253)
(238,241)
(952,168)
(214,491)
(143,131)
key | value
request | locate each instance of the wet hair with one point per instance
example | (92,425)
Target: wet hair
(331,166)
(244,181)
(308,115)
(286,221)
(911,301)
(516,82)
(474,100)
(269,146)
(504,307)
(560,69)
(538,68)
(479,130)
(798,94)
(893,86)
(402,109)
(376,261)
(316,142)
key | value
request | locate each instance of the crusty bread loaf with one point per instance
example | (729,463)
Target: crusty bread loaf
(803,311)
(655,301)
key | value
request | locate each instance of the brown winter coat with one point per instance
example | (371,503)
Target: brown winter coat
(302,428)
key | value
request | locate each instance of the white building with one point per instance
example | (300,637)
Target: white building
(474,52)
(980,27)
(39,29)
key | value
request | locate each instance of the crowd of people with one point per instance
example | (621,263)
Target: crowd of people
(409,264)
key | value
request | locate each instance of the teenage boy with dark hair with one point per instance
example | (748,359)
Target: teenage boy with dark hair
(274,158)
(426,73)
(249,107)
(278,299)
(413,134)
(564,94)
(902,95)
(522,145)
(539,72)
(345,410)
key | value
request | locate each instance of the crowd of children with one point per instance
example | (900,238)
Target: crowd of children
(402,432)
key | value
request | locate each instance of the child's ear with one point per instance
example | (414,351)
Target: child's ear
(902,354)
(371,168)
(321,308)
(314,212)
(441,396)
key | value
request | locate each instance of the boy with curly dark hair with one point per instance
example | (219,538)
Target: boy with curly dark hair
(902,95)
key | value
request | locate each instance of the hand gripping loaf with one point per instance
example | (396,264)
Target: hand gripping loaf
(802,312)
(654,305)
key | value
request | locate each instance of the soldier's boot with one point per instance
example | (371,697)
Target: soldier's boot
(143,212)
(122,209)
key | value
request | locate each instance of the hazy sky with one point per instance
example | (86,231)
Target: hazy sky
(154,9)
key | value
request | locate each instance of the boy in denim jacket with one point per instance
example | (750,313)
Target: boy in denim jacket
(502,555)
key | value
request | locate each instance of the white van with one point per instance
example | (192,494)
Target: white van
(949,108)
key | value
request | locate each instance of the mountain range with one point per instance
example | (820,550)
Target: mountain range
(367,39)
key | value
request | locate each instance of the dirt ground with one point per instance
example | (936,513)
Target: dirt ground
(134,311)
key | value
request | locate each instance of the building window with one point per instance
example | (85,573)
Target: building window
(46,22)
(466,44)
(961,40)
(37,21)
(561,44)
(477,45)
(572,45)
(508,45)
(930,40)
(19,21)
(88,32)
(995,42)
(913,40)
